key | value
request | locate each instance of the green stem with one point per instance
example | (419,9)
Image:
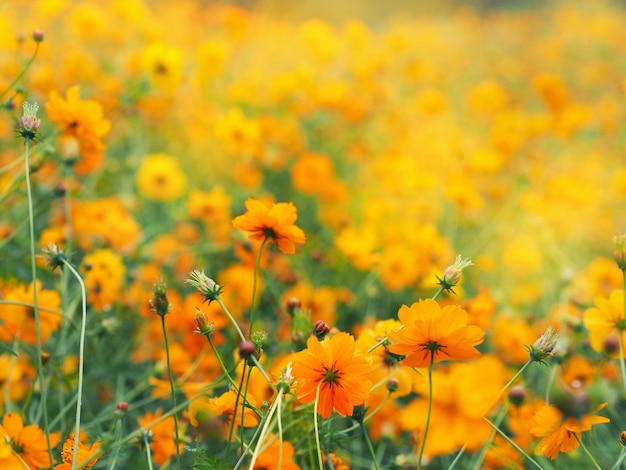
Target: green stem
(438,293)
(243,406)
(481,455)
(280,437)
(234,418)
(595,464)
(270,414)
(508,384)
(148,450)
(81,359)
(26,67)
(316,426)
(518,448)
(369,446)
(231,318)
(254,287)
(33,264)
(171,377)
(622,455)
(430,407)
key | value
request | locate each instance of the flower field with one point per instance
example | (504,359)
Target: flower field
(235,240)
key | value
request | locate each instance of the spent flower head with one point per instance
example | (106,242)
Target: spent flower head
(207,287)
(545,346)
(452,274)
(29,122)
(55,257)
(202,322)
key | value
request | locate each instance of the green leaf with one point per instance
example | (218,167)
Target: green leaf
(6,348)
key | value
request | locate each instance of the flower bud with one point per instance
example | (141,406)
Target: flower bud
(45,357)
(246,349)
(207,287)
(545,346)
(320,329)
(622,438)
(55,257)
(159,302)
(292,304)
(393,385)
(619,255)
(517,395)
(201,321)
(611,345)
(452,274)
(38,35)
(29,123)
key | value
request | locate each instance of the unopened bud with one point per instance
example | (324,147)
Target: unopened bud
(29,122)
(292,304)
(393,385)
(321,329)
(159,301)
(545,346)
(622,438)
(38,35)
(246,349)
(517,395)
(611,345)
(452,274)
(45,357)
(201,321)
(207,287)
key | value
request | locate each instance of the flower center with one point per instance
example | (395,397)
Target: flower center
(332,376)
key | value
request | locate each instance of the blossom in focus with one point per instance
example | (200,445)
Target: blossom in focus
(274,222)
(432,330)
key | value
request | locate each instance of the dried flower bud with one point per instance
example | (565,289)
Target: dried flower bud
(517,395)
(38,35)
(452,274)
(545,346)
(320,329)
(159,303)
(207,287)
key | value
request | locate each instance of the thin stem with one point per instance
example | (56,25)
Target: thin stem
(33,264)
(234,418)
(316,426)
(481,455)
(438,293)
(622,455)
(81,358)
(26,67)
(549,383)
(595,464)
(508,384)
(254,287)
(171,377)
(280,436)
(518,448)
(430,407)
(148,450)
(369,446)
(243,406)
(259,444)
(231,318)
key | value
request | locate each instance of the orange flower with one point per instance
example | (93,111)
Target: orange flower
(162,436)
(275,223)
(269,458)
(82,125)
(28,444)
(560,433)
(429,329)
(86,453)
(342,372)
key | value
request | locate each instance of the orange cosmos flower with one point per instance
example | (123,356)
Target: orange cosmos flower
(85,455)
(429,329)
(274,222)
(27,444)
(341,370)
(560,432)
(82,125)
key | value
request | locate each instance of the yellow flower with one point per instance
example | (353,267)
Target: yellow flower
(160,178)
